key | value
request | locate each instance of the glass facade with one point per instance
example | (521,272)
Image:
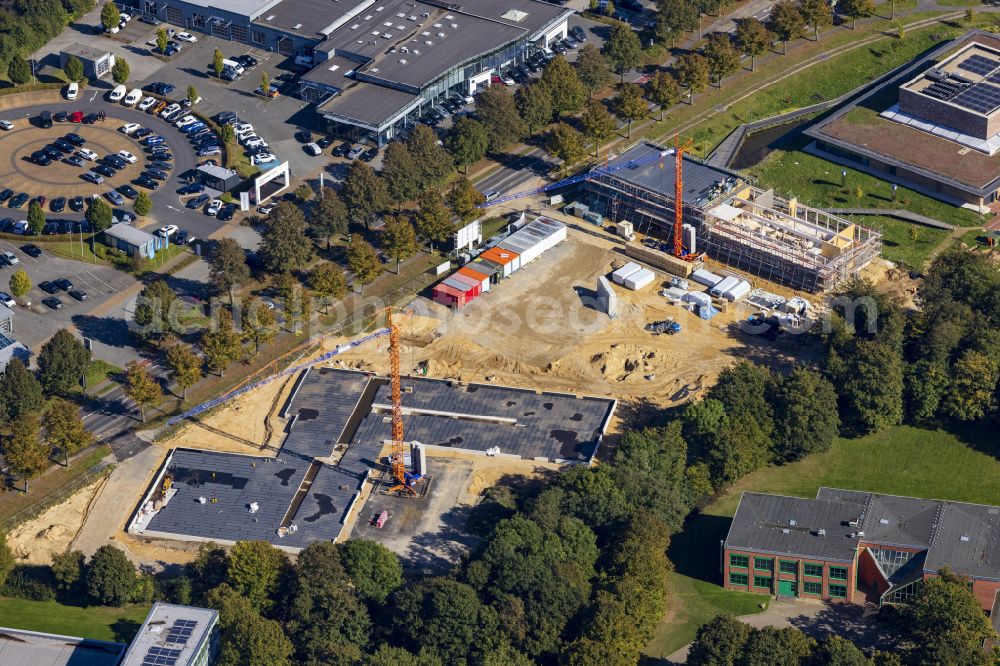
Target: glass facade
(811,587)
(890,561)
(739,561)
(814,570)
(904,593)
(739,579)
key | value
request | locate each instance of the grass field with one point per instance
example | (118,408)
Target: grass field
(898,245)
(962,466)
(97,622)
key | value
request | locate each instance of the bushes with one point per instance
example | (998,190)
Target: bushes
(111,578)
(31,582)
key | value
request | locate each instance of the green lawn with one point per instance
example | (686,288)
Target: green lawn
(97,622)
(100,370)
(898,244)
(923,463)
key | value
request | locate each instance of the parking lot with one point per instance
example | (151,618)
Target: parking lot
(35,323)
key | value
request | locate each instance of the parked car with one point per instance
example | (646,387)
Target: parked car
(192,188)
(18,200)
(156,174)
(45,119)
(6,125)
(78,295)
(10,259)
(247,61)
(20,228)
(167,231)
(214,208)
(198,201)
(7,299)
(40,158)
(146,103)
(72,90)
(76,204)
(49,287)
(87,154)
(104,170)
(185,37)
(262,158)
(355,152)
(115,197)
(127,156)
(145,181)
(53,303)
(226,212)
(7,193)
(92,177)
(58,205)
(31,250)
(128,191)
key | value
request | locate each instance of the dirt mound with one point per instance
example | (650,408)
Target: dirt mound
(459,354)
(35,541)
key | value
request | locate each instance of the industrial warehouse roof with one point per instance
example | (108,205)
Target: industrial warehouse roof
(85,52)
(658,175)
(37,649)
(332,407)
(528,14)
(964,537)
(368,104)
(306,17)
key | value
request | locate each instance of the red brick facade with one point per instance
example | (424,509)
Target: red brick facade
(798,574)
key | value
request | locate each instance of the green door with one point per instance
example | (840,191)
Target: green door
(788,588)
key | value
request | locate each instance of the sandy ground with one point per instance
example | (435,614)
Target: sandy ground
(50,533)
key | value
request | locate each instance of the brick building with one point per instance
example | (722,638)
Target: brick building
(851,546)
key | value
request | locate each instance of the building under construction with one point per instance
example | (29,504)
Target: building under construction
(732,222)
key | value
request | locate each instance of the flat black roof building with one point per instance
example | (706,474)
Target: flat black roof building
(340,422)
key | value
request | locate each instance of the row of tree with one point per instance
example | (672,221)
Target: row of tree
(26,25)
(944,624)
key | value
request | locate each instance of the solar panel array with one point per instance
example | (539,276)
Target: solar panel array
(181,631)
(979,64)
(982,98)
(158,656)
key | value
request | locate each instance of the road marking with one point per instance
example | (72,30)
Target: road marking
(94,96)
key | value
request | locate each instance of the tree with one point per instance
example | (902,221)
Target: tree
(364,193)
(498,113)
(857,9)
(835,650)
(110,16)
(20,283)
(674,17)
(663,91)
(161,40)
(207,570)
(440,615)
(228,267)
(467,141)
(816,13)
(622,49)
(36,217)
(68,569)
(785,22)
(23,451)
(328,281)
(303,193)
(120,70)
(752,37)
(217,64)
(141,386)
(806,418)
(374,569)
(185,366)
(329,216)
(564,85)
(259,324)
(62,363)
(433,219)
(973,391)
(364,262)
(64,428)
(630,105)
(566,143)
(400,173)
(398,238)
(142,204)
(692,73)
(255,568)
(723,58)
(221,344)
(946,623)
(298,309)
(265,83)
(73,68)
(768,645)
(110,576)
(155,310)
(433,164)
(99,215)
(284,245)
(18,70)
(593,69)
(246,638)
(598,124)
(534,103)
(464,199)
(20,393)
(871,387)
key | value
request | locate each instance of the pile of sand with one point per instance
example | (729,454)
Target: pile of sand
(51,532)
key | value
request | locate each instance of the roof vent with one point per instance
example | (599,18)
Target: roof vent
(296,26)
(437,25)
(368,18)
(454,26)
(355,26)
(441,35)
(401,14)
(854,523)
(963,538)
(792,523)
(416,52)
(388,24)
(378,9)
(270,18)
(449,17)
(428,42)
(386,35)
(861,534)
(411,17)
(821,532)
(403,49)
(425,15)
(785,531)
(883,521)
(402,61)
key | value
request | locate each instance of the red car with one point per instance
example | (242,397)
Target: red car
(76,117)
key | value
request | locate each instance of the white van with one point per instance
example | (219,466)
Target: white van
(133,97)
(117,94)
(233,65)
(72,90)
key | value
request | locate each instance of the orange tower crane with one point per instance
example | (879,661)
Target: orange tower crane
(679,195)
(396,457)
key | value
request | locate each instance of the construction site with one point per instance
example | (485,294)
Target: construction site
(727,219)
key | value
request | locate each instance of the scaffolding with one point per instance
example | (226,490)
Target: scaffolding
(745,227)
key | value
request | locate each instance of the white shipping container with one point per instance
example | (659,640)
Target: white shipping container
(618,277)
(698,298)
(639,279)
(738,292)
(707,278)
(724,286)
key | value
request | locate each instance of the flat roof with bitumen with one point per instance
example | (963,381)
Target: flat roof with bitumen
(368,103)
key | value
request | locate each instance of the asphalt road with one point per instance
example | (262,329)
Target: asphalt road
(167,206)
